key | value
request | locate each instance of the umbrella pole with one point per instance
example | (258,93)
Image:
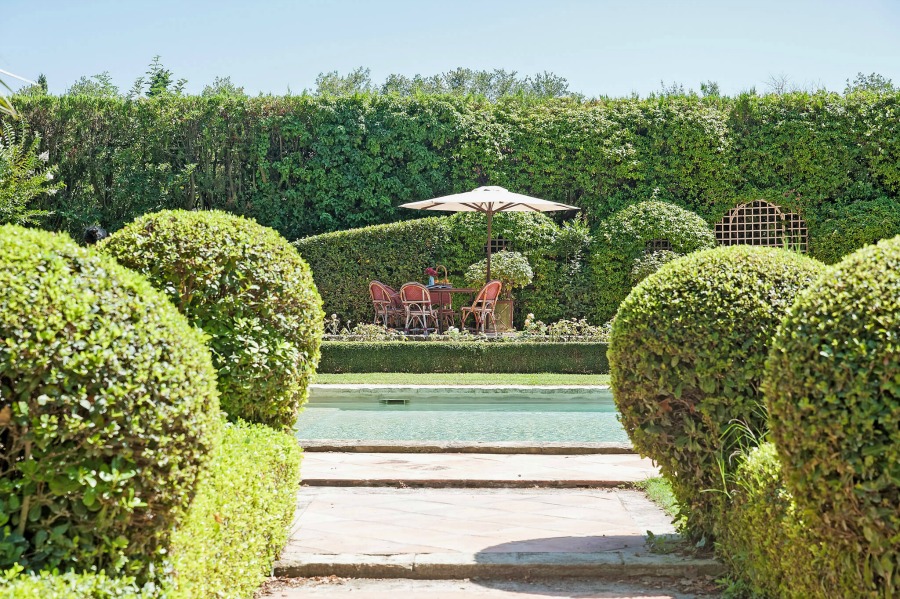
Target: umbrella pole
(490,215)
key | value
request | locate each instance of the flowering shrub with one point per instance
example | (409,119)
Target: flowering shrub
(24,175)
(510,268)
(565,330)
(646,265)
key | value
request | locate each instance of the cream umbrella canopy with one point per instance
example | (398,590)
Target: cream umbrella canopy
(488,200)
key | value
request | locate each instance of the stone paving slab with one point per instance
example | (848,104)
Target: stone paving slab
(468,470)
(376,521)
(488,589)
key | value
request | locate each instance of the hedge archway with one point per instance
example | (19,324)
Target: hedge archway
(628,235)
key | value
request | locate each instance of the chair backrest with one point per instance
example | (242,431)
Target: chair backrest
(488,294)
(379,292)
(415,293)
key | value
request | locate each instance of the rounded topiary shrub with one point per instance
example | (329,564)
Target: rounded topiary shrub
(108,409)
(624,239)
(832,385)
(686,355)
(248,289)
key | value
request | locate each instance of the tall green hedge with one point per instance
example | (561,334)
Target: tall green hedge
(344,262)
(306,165)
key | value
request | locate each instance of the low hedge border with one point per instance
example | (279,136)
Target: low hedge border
(498,357)
(239,519)
(70,585)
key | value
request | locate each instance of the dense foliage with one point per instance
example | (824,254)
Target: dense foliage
(70,585)
(306,165)
(463,356)
(239,519)
(108,408)
(841,229)
(248,289)
(762,537)
(510,268)
(833,390)
(24,176)
(344,262)
(687,351)
(621,245)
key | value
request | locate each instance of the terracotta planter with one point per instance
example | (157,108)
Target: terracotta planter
(504,315)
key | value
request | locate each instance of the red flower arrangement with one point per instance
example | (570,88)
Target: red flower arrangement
(430,272)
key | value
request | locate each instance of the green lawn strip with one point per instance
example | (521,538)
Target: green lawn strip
(452,378)
(659,491)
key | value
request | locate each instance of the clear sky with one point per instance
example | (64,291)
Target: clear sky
(601,47)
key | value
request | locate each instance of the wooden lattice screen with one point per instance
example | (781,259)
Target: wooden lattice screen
(498,245)
(762,223)
(658,244)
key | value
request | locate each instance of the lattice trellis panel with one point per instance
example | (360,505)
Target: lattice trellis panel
(658,244)
(762,223)
(498,245)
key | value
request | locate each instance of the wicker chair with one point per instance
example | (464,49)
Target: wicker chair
(388,308)
(482,309)
(443,304)
(417,306)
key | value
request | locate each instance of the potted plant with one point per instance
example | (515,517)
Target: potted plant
(512,270)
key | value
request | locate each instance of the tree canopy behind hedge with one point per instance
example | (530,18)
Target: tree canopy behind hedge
(306,165)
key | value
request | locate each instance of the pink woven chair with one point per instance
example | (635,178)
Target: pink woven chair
(482,309)
(388,308)
(443,304)
(416,301)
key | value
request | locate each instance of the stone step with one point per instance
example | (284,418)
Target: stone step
(332,587)
(474,470)
(465,533)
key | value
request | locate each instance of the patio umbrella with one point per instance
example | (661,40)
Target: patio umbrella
(488,200)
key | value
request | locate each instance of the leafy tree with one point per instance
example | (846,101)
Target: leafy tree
(872,83)
(710,89)
(357,81)
(24,175)
(157,82)
(460,81)
(39,88)
(97,86)
(222,86)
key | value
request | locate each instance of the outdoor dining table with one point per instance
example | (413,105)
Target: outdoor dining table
(443,296)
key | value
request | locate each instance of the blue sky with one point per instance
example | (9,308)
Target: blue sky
(609,48)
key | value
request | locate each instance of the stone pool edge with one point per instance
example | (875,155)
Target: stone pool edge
(528,447)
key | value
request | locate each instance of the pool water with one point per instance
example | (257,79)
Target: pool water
(454,414)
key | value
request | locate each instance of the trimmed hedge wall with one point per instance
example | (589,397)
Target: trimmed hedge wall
(502,357)
(343,263)
(307,165)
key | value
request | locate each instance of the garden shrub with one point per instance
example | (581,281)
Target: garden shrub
(239,519)
(649,263)
(345,262)
(686,355)
(761,535)
(510,268)
(248,289)
(108,409)
(70,585)
(833,391)
(463,356)
(621,244)
(840,230)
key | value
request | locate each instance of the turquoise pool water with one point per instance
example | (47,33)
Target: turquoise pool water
(582,415)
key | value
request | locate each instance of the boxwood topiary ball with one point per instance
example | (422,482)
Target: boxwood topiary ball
(686,354)
(248,289)
(108,409)
(832,385)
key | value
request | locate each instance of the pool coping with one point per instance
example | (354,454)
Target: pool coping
(381,387)
(528,447)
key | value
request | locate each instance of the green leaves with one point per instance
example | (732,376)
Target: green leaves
(248,289)
(111,408)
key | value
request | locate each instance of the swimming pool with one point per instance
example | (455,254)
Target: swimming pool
(584,415)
